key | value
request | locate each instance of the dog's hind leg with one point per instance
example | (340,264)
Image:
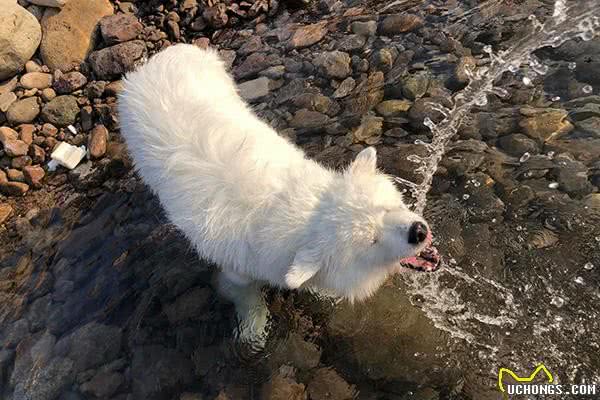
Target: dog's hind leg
(250,306)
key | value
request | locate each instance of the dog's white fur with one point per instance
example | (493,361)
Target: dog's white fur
(249,200)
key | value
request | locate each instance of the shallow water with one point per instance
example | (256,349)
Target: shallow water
(104,285)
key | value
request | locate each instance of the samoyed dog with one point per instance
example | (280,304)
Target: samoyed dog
(251,202)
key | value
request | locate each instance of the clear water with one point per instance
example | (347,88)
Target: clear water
(520,283)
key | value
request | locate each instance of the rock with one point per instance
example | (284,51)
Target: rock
(297,352)
(8,86)
(345,88)
(49,3)
(189,305)
(400,23)
(589,125)
(111,62)
(15,175)
(48,94)
(367,94)
(334,64)
(216,17)
(23,111)
(38,155)
(20,36)
(307,35)
(422,109)
(572,176)
(61,111)
(14,188)
(463,69)
(156,370)
(308,119)
(48,382)
(69,33)
(103,385)
(38,80)
(275,72)
(368,28)
(5,211)
(352,42)
(91,345)
(69,82)
(370,126)
(393,108)
(34,175)
(15,148)
(26,133)
(283,386)
(254,89)
(6,100)
(517,144)
(252,65)
(95,90)
(7,134)
(415,86)
(328,385)
(544,124)
(97,142)
(119,28)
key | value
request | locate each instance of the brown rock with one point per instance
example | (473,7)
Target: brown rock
(119,28)
(8,86)
(68,33)
(3,177)
(6,100)
(38,155)
(14,188)
(7,134)
(400,23)
(328,385)
(26,134)
(34,175)
(308,119)
(283,386)
(23,111)
(308,35)
(97,142)
(113,61)
(15,148)
(370,126)
(5,212)
(19,38)
(15,175)
(367,94)
(69,82)
(38,80)
(216,16)
(20,162)
(545,124)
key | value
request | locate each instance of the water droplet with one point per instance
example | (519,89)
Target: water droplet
(579,280)
(597,239)
(466,196)
(414,158)
(524,157)
(487,48)
(557,302)
(481,101)
(519,228)
(556,98)
(476,183)
(428,123)
(587,89)
(587,35)
(572,65)
(588,266)
(526,80)
(540,69)
(420,142)
(550,154)
(553,185)
(528,174)
(513,68)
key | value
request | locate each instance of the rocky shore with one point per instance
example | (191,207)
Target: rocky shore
(102,299)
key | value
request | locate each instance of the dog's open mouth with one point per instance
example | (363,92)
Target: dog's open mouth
(428,260)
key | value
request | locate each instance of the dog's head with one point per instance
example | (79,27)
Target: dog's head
(361,231)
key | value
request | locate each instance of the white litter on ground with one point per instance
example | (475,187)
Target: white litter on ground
(72,129)
(67,155)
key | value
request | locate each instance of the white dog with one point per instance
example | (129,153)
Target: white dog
(250,201)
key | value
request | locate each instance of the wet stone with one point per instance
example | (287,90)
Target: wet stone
(352,43)
(416,85)
(335,64)
(572,176)
(518,144)
(368,28)
(400,23)
(370,126)
(283,386)
(103,385)
(14,188)
(346,87)
(69,82)
(328,385)
(189,305)
(255,89)
(307,35)
(308,119)
(393,108)
(542,124)
(119,28)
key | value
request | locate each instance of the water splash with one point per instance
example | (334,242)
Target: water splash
(578,20)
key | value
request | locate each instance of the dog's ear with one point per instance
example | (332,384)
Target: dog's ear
(305,266)
(365,161)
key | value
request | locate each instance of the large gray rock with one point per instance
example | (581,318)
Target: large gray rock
(113,61)
(20,35)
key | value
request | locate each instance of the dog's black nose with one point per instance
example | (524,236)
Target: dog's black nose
(417,233)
